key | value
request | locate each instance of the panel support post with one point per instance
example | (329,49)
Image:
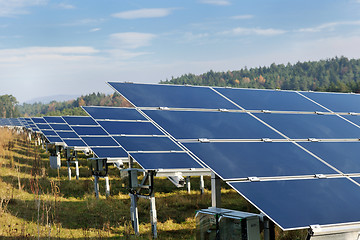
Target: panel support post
(202,186)
(269,229)
(107,186)
(96,186)
(153,216)
(69,169)
(77,166)
(134,213)
(215,191)
(188,184)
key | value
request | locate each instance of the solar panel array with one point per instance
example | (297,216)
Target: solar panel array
(143,141)
(292,154)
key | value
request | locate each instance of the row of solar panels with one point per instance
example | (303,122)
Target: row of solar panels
(112,133)
(294,155)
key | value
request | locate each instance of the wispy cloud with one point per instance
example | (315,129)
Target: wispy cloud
(9,8)
(144,13)
(131,40)
(240,17)
(255,31)
(94,29)
(329,26)
(85,21)
(65,53)
(216,2)
(65,6)
(120,54)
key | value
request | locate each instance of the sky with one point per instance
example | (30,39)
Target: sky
(73,47)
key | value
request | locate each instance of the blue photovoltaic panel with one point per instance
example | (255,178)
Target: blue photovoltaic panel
(99,141)
(38,120)
(76,120)
(54,139)
(336,102)
(130,128)
(255,99)
(54,120)
(48,132)
(150,161)
(114,113)
(67,134)
(354,119)
(148,95)
(109,152)
(303,126)
(74,143)
(60,127)
(357,179)
(300,203)
(87,131)
(42,126)
(257,159)
(147,144)
(212,125)
(342,155)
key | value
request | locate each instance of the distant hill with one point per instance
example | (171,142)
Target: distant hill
(331,75)
(48,99)
(71,107)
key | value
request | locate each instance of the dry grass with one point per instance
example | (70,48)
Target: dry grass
(36,203)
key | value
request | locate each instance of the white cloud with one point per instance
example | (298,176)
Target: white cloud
(94,29)
(144,13)
(131,40)
(216,2)
(120,54)
(329,26)
(9,8)
(65,53)
(240,17)
(255,31)
(65,6)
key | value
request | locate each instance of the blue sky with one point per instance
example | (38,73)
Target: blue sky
(73,47)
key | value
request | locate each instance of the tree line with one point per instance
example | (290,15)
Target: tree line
(330,75)
(338,74)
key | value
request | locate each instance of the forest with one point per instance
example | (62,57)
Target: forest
(338,74)
(331,75)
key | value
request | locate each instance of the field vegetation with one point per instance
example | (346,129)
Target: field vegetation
(37,202)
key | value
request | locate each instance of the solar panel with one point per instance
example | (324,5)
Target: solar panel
(233,160)
(78,120)
(141,139)
(112,113)
(255,99)
(296,204)
(54,120)
(342,155)
(233,150)
(147,143)
(212,125)
(90,134)
(303,126)
(130,128)
(155,161)
(337,102)
(147,95)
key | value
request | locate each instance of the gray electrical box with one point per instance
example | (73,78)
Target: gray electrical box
(225,224)
(55,162)
(99,167)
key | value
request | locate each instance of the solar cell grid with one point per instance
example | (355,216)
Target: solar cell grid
(114,113)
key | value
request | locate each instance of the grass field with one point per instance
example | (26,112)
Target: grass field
(37,202)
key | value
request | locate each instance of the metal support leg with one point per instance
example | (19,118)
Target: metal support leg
(269,229)
(188,184)
(69,169)
(77,169)
(96,186)
(202,186)
(153,216)
(215,191)
(134,213)
(107,186)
